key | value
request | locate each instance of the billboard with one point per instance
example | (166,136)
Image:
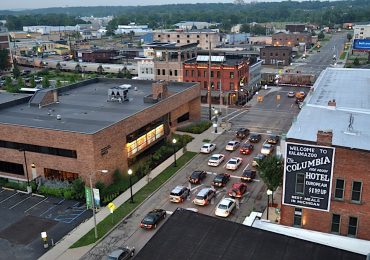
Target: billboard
(361,44)
(308,172)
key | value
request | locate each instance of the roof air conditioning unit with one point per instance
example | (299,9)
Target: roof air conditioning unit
(59,117)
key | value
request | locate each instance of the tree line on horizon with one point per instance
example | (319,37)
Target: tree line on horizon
(164,16)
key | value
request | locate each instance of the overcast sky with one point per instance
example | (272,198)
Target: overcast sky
(33,4)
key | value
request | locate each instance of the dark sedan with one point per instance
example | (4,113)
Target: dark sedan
(152,219)
(248,175)
(254,138)
(197,177)
(220,180)
(273,139)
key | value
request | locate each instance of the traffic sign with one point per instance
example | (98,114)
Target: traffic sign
(111,207)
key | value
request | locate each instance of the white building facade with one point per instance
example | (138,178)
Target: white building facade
(145,68)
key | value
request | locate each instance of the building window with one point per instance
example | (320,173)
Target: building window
(218,74)
(231,85)
(271,54)
(339,189)
(284,54)
(188,41)
(159,36)
(175,72)
(178,41)
(297,222)
(231,75)
(352,226)
(335,224)
(356,191)
(212,85)
(199,74)
(158,72)
(205,84)
(186,73)
(211,74)
(198,41)
(276,54)
(163,72)
(168,36)
(263,53)
(192,73)
(170,71)
(198,36)
(178,36)
(218,85)
(204,74)
(299,184)
(13,168)
(188,36)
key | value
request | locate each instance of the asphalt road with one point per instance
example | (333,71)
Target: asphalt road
(318,61)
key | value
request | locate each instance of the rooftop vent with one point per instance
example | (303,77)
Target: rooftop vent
(118,94)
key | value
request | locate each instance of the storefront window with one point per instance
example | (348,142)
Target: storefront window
(143,141)
(159,131)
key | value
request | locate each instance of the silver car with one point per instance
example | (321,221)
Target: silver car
(122,253)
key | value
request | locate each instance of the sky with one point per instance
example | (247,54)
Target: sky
(34,4)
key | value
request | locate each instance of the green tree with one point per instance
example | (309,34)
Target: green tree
(58,84)
(271,170)
(45,82)
(120,74)
(4,59)
(20,83)
(16,71)
(245,28)
(32,82)
(321,35)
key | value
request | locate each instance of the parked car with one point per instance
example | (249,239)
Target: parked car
(234,163)
(273,139)
(221,180)
(152,219)
(300,94)
(216,159)
(122,253)
(225,207)
(246,148)
(232,145)
(197,177)
(256,159)
(299,100)
(254,138)
(242,133)
(291,94)
(207,148)
(248,175)
(238,190)
(179,194)
(204,196)
(267,149)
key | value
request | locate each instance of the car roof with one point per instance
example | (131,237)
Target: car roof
(206,144)
(118,252)
(203,191)
(177,189)
(234,158)
(197,172)
(226,201)
(237,185)
(233,141)
(217,154)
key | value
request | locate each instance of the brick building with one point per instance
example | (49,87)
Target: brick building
(335,116)
(168,59)
(200,37)
(276,55)
(229,76)
(98,124)
(291,39)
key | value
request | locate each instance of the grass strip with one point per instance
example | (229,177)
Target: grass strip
(126,208)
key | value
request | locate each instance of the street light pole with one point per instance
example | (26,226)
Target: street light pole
(216,120)
(129,174)
(269,192)
(93,203)
(174,152)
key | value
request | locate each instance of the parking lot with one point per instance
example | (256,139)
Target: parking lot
(23,217)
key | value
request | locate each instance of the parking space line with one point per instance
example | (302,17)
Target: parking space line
(8,197)
(35,205)
(20,202)
(2,191)
(246,167)
(48,210)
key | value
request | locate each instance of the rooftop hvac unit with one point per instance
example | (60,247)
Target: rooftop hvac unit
(117,94)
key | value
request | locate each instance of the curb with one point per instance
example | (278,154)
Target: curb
(139,205)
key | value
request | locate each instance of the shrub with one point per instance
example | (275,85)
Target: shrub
(196,128)
(117,176)
(78,189)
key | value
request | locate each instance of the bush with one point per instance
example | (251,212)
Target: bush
(78,189)
(196,128)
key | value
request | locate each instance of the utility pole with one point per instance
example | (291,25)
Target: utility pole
(209,83)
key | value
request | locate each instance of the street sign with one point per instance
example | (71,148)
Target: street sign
(88,198)
(361,44)
(308,172)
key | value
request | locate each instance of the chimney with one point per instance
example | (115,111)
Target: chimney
(159,90)
(332,103)
(324,137)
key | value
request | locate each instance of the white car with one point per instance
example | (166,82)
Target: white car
(225,207)
(232,145)
(216,159)
(267,149)
(207,148)
(234,163)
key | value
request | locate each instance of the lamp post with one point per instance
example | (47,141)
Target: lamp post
(174,151)
(129,174)
(93,203)
(29,190)
(216,120)
(269,192)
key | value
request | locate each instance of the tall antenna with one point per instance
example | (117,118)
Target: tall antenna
(350,125)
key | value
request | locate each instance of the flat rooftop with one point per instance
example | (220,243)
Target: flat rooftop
(191,235)
(7,97)
(85,109)
(349,120)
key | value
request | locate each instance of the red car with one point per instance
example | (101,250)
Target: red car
(246,149)
(238,190)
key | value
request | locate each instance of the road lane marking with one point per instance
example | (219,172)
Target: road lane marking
(237,115)
(20,202)
(8,197)
(35,205)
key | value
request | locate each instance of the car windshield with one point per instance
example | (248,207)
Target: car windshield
(177,193)
(267,146)
(195,175)
(248,173)
(148,219)
(232,162)
(200,197)
(206,146)
(218,178)
(222,206)
(214,158)
(230,143)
